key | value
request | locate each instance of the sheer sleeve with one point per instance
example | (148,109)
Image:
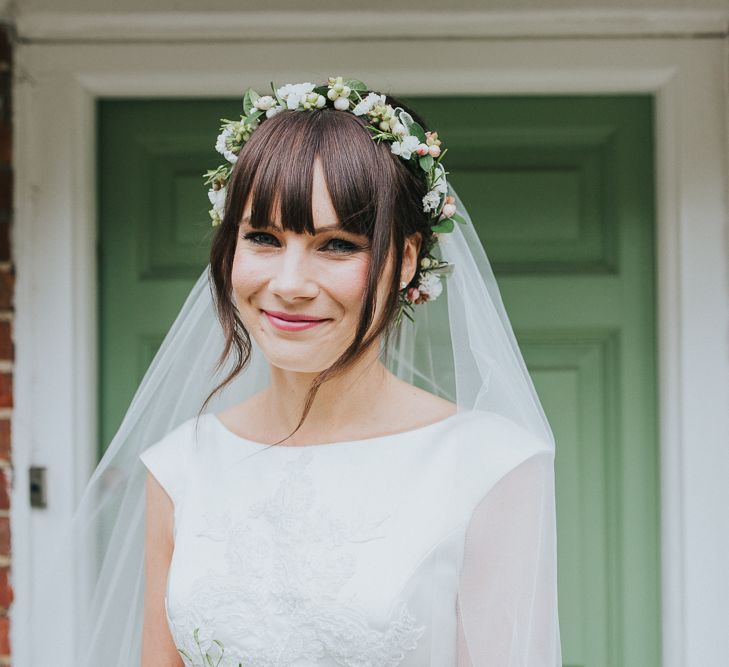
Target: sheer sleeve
(507,598)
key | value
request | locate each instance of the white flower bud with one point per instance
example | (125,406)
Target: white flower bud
(425,262)
(332,94)
(341,103)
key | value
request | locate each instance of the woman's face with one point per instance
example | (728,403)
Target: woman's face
(320,278)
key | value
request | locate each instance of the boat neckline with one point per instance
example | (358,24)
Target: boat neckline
(341,443)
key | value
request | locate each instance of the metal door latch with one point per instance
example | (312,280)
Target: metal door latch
(37,486)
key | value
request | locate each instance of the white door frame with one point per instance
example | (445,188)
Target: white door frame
(58,79)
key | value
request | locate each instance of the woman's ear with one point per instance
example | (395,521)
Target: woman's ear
(410,256)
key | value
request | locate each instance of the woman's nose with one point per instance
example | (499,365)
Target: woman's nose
(293,273)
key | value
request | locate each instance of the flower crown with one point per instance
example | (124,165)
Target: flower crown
(408,140)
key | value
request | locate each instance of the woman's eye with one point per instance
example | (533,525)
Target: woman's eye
(254,237)
(340,245)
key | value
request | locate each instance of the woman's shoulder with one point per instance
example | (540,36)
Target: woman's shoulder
(483,448)
(169,456)
(475,428)
(177,441)
(493,441)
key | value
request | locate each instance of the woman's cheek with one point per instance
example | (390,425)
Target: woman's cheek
(351,282)
(246,274)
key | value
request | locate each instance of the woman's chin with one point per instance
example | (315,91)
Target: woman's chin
(297,364)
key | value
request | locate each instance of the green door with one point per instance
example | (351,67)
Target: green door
(561,192)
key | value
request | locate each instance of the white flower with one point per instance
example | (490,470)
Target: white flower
(337,90)
(368,102)
(405,147)
(399,129)
(341,103)
(264,103)
(217,199)
(273,111)
(430,284)
(431,201)
(221,145)
(295,93)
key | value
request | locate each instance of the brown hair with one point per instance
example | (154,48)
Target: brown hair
(373,191)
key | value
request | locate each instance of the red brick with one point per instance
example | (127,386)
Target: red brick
(7,350)
(5,439)
(6,590)
(4,635)
(4,490)
(6,390)
(4,536)
(7,287)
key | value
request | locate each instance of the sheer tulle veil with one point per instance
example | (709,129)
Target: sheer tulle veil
(460,346)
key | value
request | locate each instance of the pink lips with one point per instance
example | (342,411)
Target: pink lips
(287,322)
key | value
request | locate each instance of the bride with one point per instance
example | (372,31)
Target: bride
(345,462)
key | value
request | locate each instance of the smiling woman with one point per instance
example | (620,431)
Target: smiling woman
(357,489)
(344,234)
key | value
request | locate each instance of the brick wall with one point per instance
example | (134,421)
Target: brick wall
(7,274)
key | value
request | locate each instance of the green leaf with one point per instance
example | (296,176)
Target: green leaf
(426,162)
(418,131)
(249,100)
(458,218)
(442,270)
(222,173)
(280,100)
(446,225)
(354,84)
(249,120)
(322,90)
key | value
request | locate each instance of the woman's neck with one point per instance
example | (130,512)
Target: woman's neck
(341,404)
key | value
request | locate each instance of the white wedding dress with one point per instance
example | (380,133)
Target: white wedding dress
(379,552)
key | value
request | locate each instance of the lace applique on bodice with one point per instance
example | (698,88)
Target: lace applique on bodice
(280,600)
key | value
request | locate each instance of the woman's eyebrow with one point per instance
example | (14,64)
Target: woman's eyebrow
(318,230)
